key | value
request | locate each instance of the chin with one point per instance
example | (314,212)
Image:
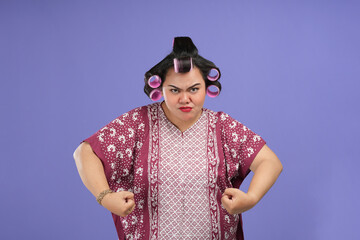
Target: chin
(189,117)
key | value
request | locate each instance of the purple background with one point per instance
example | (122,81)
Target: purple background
(290,72)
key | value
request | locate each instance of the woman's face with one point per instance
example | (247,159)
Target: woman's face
(184,95)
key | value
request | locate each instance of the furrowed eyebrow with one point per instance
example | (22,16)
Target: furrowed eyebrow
(196,84)
(174,86)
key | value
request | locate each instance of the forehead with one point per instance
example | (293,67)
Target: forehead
(183,79)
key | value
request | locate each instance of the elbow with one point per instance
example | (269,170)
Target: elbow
(78,157)
(276,165)
(76,154)
(81,153)
(279,166)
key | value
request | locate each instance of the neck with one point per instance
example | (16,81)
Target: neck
(180,124)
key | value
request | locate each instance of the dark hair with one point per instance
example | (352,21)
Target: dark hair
(184,50)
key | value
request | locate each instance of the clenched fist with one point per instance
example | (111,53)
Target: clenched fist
(236,201)
(120,203)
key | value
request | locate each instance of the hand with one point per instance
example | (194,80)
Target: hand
(120,203)
(236,201)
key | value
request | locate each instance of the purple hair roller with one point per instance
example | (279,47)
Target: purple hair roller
(155,95)
(154,81)
(212,91)
(213,74)
(183,65)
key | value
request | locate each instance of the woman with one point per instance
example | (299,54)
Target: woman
(172,170)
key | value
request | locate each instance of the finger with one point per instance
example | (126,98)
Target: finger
(226,203)
(226,200)
(230,191)
(227,196)
(130,208)
(128,195)
(129,203)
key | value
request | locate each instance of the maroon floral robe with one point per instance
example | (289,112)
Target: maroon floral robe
(177,177)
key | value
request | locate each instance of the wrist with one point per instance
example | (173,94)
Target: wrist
(102,195)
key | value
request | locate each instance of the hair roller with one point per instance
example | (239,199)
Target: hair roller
(155,95)
(182,59)
(212,91)
(213,74)
(154,81)
(183,65)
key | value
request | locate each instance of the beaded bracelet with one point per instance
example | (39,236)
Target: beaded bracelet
(102,195)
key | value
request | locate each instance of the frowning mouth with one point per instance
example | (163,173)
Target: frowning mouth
(186,109)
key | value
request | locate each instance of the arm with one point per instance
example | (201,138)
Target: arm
(266,167)
(92,175)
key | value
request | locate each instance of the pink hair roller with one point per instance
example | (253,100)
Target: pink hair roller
(176,65)
(180,64)
(155,95)
(213,74)
(212,91)
(154,81)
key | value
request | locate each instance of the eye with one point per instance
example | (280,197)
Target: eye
(193,90)
(174,90)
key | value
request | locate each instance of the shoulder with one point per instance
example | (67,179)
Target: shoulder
(221,118)
(133,120)
(135,115)
(230,128)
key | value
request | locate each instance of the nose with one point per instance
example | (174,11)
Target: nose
(184,98)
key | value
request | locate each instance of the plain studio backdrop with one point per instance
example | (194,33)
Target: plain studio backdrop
(290,72)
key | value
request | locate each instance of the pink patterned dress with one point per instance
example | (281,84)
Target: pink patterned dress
(177,177)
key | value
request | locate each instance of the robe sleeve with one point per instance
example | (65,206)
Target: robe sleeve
(240,146)
(117,145)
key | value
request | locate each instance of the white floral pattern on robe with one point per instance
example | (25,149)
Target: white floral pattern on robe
(129,148)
